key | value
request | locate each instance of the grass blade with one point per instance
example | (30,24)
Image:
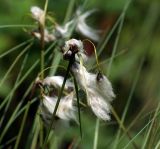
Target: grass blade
(128,101)
(15,48)
(126,146)
(13,64)
(17,26)
(95,145)
(69,10)
(22,126)
(18,77)
(11,120)
(25,76)
(150,128)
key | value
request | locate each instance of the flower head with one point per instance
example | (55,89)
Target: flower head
(85,29)
(48,37)
(37,14)
(66,110)
(74,47)
(98,90)
(57,82)
(80,25)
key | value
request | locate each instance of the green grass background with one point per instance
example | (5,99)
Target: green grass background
(129,53)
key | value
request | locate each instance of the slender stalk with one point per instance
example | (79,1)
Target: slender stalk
(57,104)
(95,145)
(42,43)
(16,26)
(69,10)
(78,102)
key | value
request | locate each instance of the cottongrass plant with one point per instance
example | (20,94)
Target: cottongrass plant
(97,87)
(67,105)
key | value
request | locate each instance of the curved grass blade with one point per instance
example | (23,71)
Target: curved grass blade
(128,101)
(11,120)
(17,26)
(26,75)
(18,77)
(15,48)
(120,18)
(14,63)
(126,146)
(22,125)
(8,142)
(150,128)
(55,62)
(69,10)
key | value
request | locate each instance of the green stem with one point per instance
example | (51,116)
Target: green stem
(96,134)
(56,106)
(78,102)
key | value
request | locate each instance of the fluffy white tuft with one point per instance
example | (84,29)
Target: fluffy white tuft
(65,111)
(37,13)
(98,89)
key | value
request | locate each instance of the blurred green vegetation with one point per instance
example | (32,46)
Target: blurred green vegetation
(139,39)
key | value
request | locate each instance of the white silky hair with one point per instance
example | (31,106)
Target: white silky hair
(37,13)
(79,45)
(66,110)
(80,25)
(72,42)
(99,92)
(57,82)
(48,37)
(79,21)
(85,29)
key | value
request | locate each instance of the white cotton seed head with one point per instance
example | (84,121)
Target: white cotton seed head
(99,107)
(57,82)
(63,31)
(37,13)
(98,90)
(47,36)
(89,81)
(81,75)
(66,110)
(73,42)
(85,29)
(74,46)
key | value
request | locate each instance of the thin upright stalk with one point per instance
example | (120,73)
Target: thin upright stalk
(57,104)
